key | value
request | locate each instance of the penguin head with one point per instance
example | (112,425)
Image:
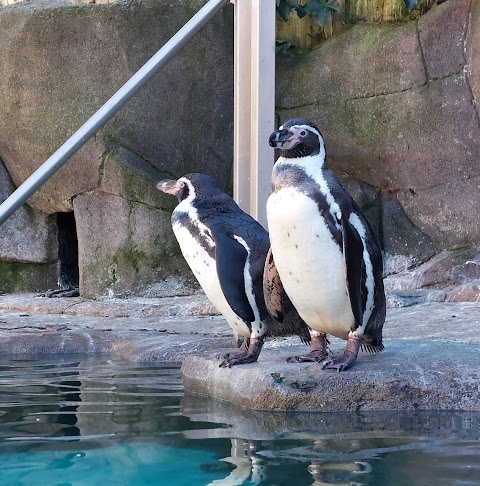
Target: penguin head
(298,138)
(190,186)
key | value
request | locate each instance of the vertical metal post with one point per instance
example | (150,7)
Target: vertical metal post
(254,104)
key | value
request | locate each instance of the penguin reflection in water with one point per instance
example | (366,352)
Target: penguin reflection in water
(226,250)
(323,248)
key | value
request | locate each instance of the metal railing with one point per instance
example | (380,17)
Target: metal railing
(110,108)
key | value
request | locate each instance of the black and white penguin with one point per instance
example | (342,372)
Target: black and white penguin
(325,251)
(226,250)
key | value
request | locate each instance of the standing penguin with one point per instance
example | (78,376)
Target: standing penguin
(325,251)
(226,250)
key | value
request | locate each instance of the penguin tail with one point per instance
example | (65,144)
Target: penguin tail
(372,347)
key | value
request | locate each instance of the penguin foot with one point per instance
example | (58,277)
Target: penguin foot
(74,292)
(246,354)
(316,356)
(348,358)
(318,350)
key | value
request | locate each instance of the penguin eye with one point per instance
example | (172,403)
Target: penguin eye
(183,190)
(303,133)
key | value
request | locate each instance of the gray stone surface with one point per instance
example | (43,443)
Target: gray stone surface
(60,62)
(442,36)
(397,107)
(438,376)
(445,271)
(472,51)
(401,237)
(28,236)
(431,358)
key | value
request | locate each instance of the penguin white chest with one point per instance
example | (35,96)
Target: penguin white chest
(204,268)
(309,261)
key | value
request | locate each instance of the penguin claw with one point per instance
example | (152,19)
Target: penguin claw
(248,353)
(340,363)
(232,359)
(316,356)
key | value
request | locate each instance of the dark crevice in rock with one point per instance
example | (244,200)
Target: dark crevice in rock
(422,54)
(370,96)
(467,77)
(296,107)
(69,278)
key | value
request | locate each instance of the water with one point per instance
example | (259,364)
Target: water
(78,421)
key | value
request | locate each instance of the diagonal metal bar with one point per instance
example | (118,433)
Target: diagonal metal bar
(110,108)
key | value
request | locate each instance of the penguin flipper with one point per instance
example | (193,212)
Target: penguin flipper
(272,288)
(230,258)
(353,255)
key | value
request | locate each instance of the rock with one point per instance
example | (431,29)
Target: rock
(79,56)
(375,59)
(386,126)
(126,246)
(28,247)
(442,35)
(126,242)
(472,52)
(401,238)
(403,377)
(444,271)
(67,48)
(446,212)
(415,371)
(28,236)
(465,293)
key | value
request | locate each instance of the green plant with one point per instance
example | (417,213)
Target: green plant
(410,4)
(322,10)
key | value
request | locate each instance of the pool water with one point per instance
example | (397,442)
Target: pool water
(83,421)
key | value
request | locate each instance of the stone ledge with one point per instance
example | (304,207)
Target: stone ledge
(408,375)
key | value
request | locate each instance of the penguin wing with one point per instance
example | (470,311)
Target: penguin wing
(272,288)
(231,258)
(353,255)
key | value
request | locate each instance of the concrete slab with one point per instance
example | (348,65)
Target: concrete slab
(431,359)
(139,330)
(408,375)
(431,362)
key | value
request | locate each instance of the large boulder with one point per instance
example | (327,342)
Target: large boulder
(397,107)
(60,62)
(125,238)
(28,246)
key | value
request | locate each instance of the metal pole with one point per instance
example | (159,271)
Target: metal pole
(254,104)
(110,108)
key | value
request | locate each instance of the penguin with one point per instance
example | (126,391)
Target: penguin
(226,250)
(325,252)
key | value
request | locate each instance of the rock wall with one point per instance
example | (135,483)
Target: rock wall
(28,246)
(398,107)
(60,62)
(397,104)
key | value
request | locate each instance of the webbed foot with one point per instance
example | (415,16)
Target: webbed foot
(316,356)
(70,291)
(73,292)
(318,350)
(347,359)
(248,353)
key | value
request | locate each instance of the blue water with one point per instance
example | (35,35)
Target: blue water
(79,421)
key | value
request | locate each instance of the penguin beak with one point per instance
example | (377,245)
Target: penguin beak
(279,138)
(168,186)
